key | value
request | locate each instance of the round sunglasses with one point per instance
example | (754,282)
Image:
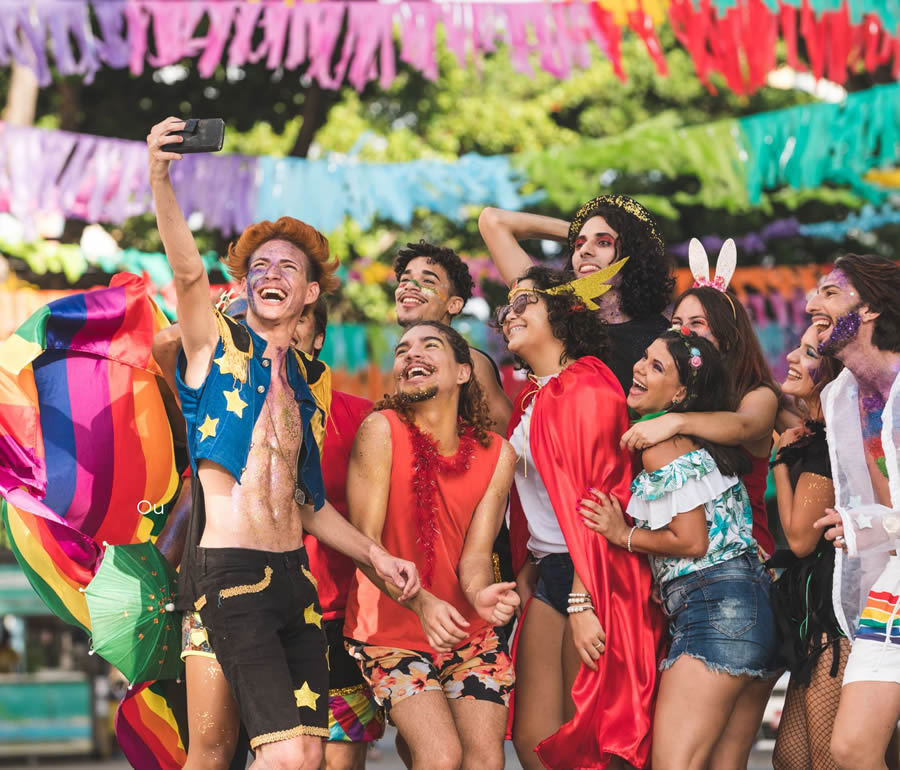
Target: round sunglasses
(523,299)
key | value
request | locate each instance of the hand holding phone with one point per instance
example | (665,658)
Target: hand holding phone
(199,135)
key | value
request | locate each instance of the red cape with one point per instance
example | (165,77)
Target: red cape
(576,425)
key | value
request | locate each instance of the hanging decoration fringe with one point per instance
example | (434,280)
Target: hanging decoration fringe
(99,179)
(358,42)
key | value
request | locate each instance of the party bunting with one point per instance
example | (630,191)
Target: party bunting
(817,144)
(358,42)
(99,179)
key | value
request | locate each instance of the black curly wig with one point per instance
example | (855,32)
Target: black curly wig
(646,281)
(582,331)
(461,283)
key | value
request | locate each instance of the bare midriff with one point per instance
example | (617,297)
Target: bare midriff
(260,512)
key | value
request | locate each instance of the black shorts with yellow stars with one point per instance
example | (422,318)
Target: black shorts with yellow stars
(264,621)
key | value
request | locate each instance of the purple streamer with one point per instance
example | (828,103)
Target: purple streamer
(750,243)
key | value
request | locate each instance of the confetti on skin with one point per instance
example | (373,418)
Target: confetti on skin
(844,332)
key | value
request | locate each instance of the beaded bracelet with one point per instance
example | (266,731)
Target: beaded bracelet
(630,534)
(579,608)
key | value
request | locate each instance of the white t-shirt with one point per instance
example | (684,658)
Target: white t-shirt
(546,535)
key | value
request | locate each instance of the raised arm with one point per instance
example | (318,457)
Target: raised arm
(495,602)
(753,421)
(502,230)
(193,306)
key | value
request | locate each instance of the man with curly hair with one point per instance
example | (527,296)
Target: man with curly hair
(604,230)
(434,284)
(429,479)
(254,430)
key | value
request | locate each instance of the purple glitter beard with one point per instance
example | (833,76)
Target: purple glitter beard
(845,330)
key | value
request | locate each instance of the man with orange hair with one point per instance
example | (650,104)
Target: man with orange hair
(254,431)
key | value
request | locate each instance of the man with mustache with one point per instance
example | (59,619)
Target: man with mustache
(434,284)
(857,312)
(254,431)
(429,479)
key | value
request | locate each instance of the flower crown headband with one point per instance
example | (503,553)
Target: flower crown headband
(695,361)
(726,263)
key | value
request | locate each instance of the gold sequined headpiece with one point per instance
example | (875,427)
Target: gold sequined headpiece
(622,202)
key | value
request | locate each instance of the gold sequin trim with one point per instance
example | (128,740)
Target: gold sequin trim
(310,577)
(232,361)
(254,588)
(495,561)
(283,735)
(200,603)
(344,691)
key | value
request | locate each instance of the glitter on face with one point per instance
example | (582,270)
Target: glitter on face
(844,332)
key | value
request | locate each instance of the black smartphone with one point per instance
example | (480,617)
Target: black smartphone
(200,135)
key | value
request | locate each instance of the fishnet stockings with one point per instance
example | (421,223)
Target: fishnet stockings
(804,734)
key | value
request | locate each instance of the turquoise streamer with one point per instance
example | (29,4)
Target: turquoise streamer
(886,10)
(816,144)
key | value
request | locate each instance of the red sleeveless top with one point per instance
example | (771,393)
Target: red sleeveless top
(373,617)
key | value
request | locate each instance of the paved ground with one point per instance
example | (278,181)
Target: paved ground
(388,760)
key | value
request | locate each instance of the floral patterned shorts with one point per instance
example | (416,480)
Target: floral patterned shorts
(481,669)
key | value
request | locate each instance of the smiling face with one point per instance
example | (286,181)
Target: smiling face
(835,313)
(804,366)
(656,385)
(529,328)
(595,247)
(690,313)
(425,293)
(304,337)
(277,285)
(425,365)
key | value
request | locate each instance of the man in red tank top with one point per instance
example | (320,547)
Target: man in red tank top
(429,480)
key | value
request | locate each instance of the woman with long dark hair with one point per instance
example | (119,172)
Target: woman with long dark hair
(813,647)
(716,314)
(691,514)
(586,650)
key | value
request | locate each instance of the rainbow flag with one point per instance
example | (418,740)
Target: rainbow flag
(86,449)
(147,730)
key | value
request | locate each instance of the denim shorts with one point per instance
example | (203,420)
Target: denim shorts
(555,574)
(721,615)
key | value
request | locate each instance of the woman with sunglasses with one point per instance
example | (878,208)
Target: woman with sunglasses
(606,229)
(692,516)
(586,650)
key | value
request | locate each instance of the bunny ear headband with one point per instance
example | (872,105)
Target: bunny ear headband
(725,265)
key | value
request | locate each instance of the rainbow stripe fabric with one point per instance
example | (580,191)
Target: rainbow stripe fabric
(86,448)
(147,730)
(873,622)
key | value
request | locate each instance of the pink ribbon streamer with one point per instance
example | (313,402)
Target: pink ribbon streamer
(358,35)
(99,179)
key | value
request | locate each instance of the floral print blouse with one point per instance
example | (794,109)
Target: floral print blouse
(680,486)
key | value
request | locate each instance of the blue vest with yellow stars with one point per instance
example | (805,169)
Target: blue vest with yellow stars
(221,413)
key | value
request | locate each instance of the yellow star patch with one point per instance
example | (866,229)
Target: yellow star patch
(235,403)
(312,617)
(209,427)
(226,365)
(306,697)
